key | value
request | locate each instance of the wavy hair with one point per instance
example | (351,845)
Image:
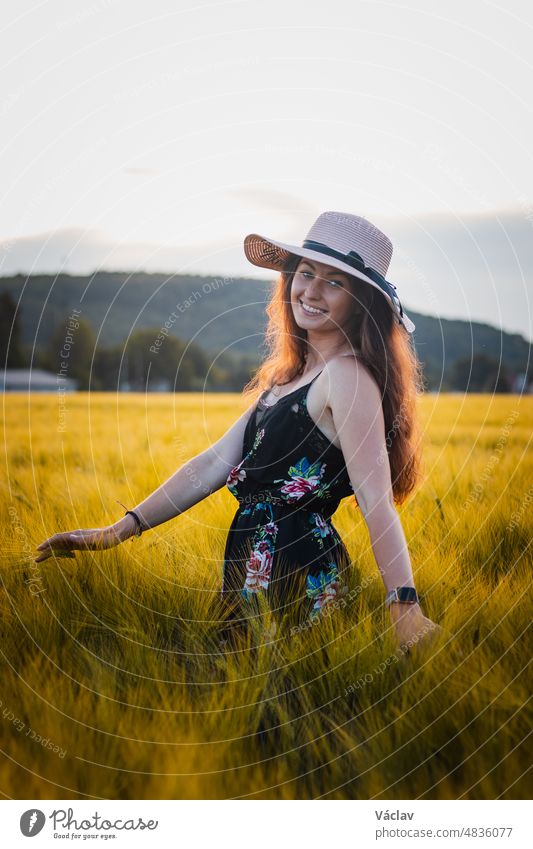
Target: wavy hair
(380,345)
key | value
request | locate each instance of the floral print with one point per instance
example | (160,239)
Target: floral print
(259,566)
(305,477)
(321,528)
(323,588)
(258,437)
(235,476)
(258,569)
(238,474)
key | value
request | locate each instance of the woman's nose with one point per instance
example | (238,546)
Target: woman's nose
(312,290)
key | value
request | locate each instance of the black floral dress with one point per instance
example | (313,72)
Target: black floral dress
(281,543)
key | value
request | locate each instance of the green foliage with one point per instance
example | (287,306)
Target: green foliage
(12,354)
(140,365)
(480,373)
(225,317)
(70,350)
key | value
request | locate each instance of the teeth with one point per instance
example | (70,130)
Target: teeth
(310,309)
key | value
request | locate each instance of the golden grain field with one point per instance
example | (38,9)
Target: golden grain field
(113,682)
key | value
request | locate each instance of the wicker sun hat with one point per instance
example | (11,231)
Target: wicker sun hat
(347,242)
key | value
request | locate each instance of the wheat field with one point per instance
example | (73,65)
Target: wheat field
(114,683)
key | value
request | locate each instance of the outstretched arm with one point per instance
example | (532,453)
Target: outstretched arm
(355,404)
(195,480)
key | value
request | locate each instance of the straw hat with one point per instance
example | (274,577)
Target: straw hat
(347,242)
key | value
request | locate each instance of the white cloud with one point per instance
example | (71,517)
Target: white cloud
(160,134)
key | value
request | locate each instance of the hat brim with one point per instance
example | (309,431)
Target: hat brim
(267,253)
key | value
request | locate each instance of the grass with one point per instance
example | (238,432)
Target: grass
(114,684)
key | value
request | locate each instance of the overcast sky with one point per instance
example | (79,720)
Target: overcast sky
(156,135)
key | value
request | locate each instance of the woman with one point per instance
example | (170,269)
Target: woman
(335,417)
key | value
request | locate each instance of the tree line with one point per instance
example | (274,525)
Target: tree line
(137,364)
(145,362)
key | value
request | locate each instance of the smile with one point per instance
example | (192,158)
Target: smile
(310,310)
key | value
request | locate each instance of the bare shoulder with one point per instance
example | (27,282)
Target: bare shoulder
(347,379)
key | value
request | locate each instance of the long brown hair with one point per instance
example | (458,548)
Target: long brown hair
(383,348)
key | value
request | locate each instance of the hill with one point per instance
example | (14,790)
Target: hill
(222,314)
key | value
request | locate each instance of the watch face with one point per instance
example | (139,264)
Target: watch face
(407,594)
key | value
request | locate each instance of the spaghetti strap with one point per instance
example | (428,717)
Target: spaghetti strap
(299,388)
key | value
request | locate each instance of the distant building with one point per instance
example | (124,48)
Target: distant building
(520,384)
(35,380)
(159,385)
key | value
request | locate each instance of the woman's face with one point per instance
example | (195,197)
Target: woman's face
(322,287)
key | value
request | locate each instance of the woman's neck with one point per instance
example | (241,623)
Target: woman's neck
(319,356)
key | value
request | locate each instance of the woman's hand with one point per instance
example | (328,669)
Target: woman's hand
(412,627)
(86,538)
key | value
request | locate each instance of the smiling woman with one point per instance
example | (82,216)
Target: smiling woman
(335,417)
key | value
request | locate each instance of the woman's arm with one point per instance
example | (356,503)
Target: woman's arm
(195,480)
(355,404)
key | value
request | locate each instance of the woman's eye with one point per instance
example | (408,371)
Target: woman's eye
(307,274)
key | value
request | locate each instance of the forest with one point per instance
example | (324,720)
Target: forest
(156,332)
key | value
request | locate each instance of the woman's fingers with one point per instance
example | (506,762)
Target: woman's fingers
(57,541)
(56,552)
(67,540)
(62,544)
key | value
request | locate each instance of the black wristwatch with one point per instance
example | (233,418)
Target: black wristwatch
(405,595)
